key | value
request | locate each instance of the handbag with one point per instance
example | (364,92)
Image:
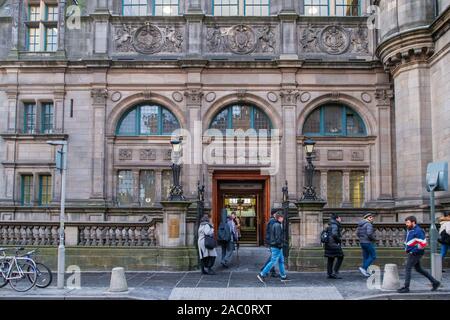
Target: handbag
(210,242)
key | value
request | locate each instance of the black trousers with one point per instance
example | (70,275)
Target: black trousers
(414,261)
(332,267)
(208,262)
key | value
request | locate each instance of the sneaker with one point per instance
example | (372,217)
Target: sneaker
(224,265)
(436,285)
(364,272)
(332,276)
(211,272)
(403,290)
(261,278)
(285,278)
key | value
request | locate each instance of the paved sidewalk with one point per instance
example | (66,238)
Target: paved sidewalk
(230,285)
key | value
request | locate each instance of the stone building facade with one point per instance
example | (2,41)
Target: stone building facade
(114,79)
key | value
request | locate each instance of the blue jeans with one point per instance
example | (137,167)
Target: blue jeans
(444,249)
(277,256)
(369,254)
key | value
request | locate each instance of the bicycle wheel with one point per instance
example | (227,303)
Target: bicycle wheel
(4,266)
(44,275)
(24,276)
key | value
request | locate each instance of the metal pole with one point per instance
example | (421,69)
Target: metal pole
(61,247)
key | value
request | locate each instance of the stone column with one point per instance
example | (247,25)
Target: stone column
(194,20)
(323,184)
(174,223)
(16,6)
(158,185)
(11,107)
(346,189)
(61,28)
(311,222)
(288,104)
(99,97)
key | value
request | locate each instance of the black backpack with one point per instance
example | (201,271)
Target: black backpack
(224,233)
(325,236)
(444,237)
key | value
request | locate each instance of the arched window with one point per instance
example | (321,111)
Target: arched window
(147,120)
(334,120)
(241,116)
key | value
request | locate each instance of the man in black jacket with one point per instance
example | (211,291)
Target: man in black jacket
(267,241)
(276,247)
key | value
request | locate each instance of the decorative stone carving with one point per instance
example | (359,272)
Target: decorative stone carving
(272,96)
(384,96)
(360,41)
(357,155)
(334,40)
(147,94)
(335,155)
(125,154)
(241,94)
(335,96)
(99,96)
(366,97)
(116,96)
(147,154)
(289,97)
(421,53)
(210,97)
(241,39)
(148,38)
(305,97)
(177,96)
(194,96)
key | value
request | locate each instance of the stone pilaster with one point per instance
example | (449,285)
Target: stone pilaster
(58,97)
(101,18)
(61,27)
(323,184)
(99,97)
(346,189)
(311,222)
(16,7)
(288,18)
(174,223)
(11,107)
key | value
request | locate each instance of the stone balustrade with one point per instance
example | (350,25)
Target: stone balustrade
(89,234)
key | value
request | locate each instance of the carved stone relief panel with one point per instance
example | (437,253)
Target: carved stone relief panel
(125,154)
(335,155)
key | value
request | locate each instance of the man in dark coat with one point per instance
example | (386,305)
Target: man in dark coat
(333,249)
(267,241)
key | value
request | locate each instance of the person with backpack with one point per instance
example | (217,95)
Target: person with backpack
(226,237)
(415,244)
(333,249)
(207,255)
(444,235)
(366,236)
(276,246)
(272,220)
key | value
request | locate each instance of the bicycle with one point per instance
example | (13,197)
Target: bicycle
(14,270)
(44,274)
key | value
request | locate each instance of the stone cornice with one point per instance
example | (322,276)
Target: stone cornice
(411,46)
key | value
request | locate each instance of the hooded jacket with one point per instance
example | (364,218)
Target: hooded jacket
(415,242)
(365,232)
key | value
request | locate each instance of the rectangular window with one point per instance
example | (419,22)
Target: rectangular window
(166,7)
(334,189)
(34,39)
(333,120)
(45,190)
(166,183)
(257,7)
(29,119)
(47,118)
(135,7)
(316,8)
(52,13)
(34,13)
(125,187)
(226,7)
(26,196)
(147,190)
(357,179)
(51,41)
(349,8)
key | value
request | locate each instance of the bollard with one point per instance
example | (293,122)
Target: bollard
(391,279)
(118,281)
(436,265)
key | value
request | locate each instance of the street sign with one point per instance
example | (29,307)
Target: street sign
(437,176)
